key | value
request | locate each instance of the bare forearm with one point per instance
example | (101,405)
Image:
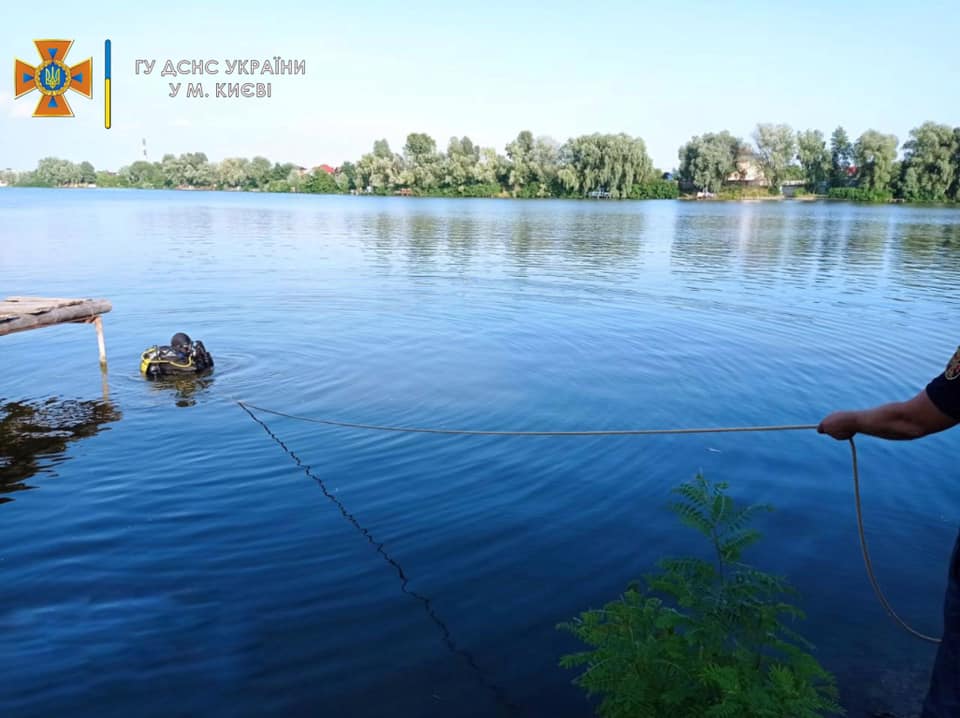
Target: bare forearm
(890,421)
(910,419)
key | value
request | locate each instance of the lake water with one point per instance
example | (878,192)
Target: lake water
(171,559)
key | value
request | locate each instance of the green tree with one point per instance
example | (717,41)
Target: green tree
(707,160)
(655,189)
(258,172)
(232,172)
(543,164)
(459,165)
(188,170)
(88,174)
(342,182)
(858,194)
(609,163)
(320,182)
(954,192)
(518,152)
(281,171)
(776,147)
(278,186)
(55,172)
(493,168)
(814,159)
(875,154)
(841,158)
(348,171)
(703,637)
(379,171)
(110,179)
(419,146)
(929,164)
(422,163)
(295,180)
(191,169)
(141,174)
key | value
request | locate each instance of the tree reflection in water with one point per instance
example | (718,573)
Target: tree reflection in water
(35,435)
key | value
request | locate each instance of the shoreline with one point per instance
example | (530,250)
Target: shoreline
(681,198)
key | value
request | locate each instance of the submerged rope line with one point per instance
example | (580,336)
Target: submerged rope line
(425,601)
(867,562)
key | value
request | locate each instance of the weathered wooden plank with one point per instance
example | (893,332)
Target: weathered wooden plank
(61,300)
(31,298)
(20,305)
(36,305)
(22,309)
(30,315)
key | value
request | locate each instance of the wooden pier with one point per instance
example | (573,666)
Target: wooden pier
(17,314)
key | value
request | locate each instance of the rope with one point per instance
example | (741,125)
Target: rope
(381,549)
(474,432)
(635,432)
(866,554)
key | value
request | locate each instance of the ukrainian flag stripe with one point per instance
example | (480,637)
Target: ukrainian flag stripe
(106,84)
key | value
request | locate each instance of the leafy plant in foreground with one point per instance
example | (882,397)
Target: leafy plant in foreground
(702,638)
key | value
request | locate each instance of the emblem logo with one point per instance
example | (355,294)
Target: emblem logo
(53,77)
(953,368)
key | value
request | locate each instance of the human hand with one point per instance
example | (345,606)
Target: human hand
(841,425)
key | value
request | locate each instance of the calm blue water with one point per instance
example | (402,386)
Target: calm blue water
(165,557)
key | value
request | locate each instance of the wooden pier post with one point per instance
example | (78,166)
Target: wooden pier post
(98,323)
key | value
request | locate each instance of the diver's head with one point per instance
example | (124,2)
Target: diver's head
(181,343)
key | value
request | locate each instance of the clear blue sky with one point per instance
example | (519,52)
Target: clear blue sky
(485,69)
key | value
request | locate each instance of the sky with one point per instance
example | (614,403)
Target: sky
(661,71)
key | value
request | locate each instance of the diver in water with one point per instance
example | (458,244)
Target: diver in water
(181,344)
(182,356)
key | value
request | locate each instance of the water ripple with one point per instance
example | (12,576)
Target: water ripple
(168,550)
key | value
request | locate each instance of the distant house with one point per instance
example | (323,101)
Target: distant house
(326,168)
(748,171)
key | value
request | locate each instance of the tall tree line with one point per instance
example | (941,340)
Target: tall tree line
(865,168)
(607,165)
(614,165)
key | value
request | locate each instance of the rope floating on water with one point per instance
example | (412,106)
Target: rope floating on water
(476,432)
(634,432)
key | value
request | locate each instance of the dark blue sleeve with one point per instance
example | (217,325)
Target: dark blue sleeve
(944,391)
